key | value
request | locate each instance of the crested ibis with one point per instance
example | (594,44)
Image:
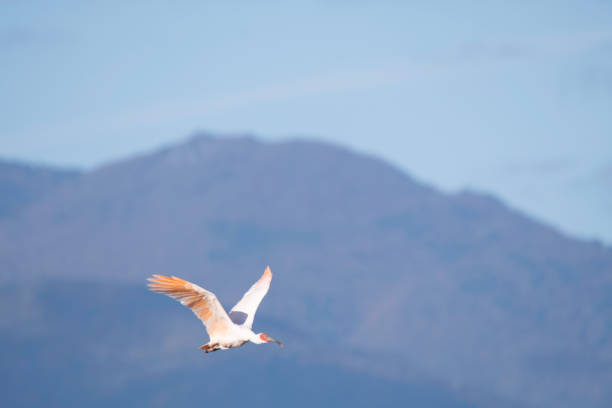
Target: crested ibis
(225,331)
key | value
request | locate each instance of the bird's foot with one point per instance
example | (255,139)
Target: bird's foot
(208,348)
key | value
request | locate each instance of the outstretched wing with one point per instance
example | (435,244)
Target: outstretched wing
(244,311)
(203,303)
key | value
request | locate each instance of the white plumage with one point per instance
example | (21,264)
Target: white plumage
(225,331)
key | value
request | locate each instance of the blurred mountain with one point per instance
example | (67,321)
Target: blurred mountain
(21,184)
(383,286)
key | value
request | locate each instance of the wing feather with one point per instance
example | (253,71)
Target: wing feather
(244,311)
(203,303)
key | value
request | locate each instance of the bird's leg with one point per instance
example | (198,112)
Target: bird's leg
(208,348)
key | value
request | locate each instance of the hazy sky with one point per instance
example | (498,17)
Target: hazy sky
(512,98)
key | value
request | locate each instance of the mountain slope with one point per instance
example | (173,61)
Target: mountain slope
(367,261)
(22,184)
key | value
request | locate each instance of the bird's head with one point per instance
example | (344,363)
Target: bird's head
(267,339)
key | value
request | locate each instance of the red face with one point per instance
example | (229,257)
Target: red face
(265,338)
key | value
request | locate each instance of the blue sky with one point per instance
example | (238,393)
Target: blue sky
(511,98)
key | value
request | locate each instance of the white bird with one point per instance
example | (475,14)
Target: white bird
(225,331)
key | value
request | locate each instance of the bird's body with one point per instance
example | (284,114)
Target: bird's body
(236,336)
(225,331)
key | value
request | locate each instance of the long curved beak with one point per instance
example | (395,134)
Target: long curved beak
(275,341)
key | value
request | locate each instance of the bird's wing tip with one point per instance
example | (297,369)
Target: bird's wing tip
(156,279)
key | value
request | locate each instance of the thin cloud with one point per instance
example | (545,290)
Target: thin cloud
(338,82)
(404,72)
(356,80)
(538,47)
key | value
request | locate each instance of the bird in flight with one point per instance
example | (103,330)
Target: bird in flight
(225,331)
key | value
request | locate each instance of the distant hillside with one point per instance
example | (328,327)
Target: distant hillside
(375,273)
(21,184)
